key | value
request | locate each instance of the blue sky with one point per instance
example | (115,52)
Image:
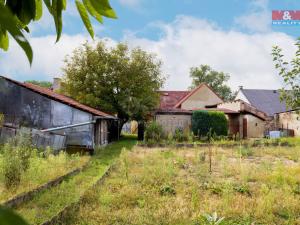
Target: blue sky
(235,36)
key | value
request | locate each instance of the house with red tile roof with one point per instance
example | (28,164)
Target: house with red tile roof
(54,119)
(176,108)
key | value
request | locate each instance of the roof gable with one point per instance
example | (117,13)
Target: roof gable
(189,95)
(267,101)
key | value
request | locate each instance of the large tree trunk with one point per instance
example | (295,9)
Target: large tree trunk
(141,130)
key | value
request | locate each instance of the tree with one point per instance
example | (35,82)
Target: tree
(16,15)
(216,80)
(45,84)
(290,72)
(116,80)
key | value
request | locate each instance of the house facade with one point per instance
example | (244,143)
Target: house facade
(281,117)
(53,119)
(176,108)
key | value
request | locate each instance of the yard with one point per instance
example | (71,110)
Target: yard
(247,185)
(41,170)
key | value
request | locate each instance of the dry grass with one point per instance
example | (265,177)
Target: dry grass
(41,171)
(159,186)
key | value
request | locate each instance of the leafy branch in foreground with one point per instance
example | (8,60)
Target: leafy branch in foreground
(290,72)
(16,15)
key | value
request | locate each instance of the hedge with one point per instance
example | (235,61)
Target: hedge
(202,121)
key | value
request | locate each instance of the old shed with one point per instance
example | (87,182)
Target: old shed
(53,119)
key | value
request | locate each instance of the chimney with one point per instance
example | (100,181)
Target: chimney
(56,83)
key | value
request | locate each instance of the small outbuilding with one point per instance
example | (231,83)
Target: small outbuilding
(53,119)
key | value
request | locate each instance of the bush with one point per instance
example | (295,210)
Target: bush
(153,133)
(179,135)
(22,146)
(11,167)
(16,159)
(202,121)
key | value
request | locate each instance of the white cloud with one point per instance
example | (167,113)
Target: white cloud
(258,19)
(189,42)
(48,57)
(184,43)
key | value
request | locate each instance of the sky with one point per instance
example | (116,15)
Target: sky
(233,36)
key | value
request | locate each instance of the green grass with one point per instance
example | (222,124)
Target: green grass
(173,186)
(48,203)
(41,171)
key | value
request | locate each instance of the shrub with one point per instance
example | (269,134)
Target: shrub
(202,121)
(22,146)
(179,135)
(170,139)
(16,158)
(154,132)
(11,167)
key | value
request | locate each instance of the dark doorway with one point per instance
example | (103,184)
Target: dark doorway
(245,128)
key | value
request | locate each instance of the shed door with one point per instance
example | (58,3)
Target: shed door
(245,128)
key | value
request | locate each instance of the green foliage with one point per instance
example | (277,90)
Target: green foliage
(153,133)
(16,156)
(11,167)
(216,80)
(289,71)
(16,16)
(179,135)
(245,151)
(212,219)
(203,121)
(167,190)
(45,84)
(243,189)
(117,79)
(8,217)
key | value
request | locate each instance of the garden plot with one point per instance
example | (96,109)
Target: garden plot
(174,186)
(41,169)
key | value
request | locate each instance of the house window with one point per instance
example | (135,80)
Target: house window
(256,124)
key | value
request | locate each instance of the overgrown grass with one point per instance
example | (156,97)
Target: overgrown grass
(48,203)
(40,171)
(168,186)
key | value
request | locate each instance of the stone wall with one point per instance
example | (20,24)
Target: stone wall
(289,120)
(171,122)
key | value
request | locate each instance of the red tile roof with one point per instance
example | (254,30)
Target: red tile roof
(168,99)
(61,98)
